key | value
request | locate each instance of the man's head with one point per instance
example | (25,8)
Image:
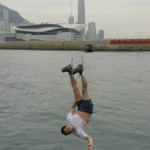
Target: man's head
(68,129)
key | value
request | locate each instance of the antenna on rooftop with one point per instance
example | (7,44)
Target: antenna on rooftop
(71,7)
(71,18)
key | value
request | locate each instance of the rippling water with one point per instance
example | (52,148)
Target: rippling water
(35,96)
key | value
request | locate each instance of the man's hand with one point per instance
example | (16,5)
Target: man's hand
(72,107)
(90,142)
(90,147)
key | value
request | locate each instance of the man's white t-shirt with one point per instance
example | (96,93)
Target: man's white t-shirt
(78,123)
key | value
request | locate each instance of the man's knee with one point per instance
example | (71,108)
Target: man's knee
(75,87)
(84,91)
(85,94)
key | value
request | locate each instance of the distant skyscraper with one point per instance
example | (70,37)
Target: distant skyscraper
(81,12)
(5,14)
(101,34)
(81,15)
(91,34)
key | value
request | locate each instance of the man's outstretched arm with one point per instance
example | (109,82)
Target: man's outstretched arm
(72,107)
(90,142)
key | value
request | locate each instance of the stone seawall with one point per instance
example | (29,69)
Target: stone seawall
(103,45)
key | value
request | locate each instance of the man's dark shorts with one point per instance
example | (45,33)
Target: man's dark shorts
(85,106)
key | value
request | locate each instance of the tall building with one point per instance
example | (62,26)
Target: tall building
(81,12)
(91,34)
(5,14)
(101,34)
(4,22)
(81,15)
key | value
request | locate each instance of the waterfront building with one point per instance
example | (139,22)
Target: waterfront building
(49,32)
(91,34)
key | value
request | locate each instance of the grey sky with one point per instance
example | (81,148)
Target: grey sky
(118,18)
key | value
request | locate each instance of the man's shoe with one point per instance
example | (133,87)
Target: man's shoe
(67,69)
(79,69)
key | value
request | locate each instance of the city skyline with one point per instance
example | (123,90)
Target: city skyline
(118,18)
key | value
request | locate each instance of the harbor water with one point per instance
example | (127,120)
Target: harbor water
(35,97)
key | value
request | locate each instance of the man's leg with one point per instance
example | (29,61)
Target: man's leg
(73,81)
(76,91)
(85,94)
(87,105)
(87,102)
(80,69)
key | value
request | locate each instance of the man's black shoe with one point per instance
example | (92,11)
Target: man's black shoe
(67,69)
(79,69)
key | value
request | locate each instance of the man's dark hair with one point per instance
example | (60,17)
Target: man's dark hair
(63,132)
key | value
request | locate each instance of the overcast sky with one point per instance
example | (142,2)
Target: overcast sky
(118,18)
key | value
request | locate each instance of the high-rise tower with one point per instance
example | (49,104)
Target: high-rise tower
(81,12)
(5,14)
(81,15)
(91,31)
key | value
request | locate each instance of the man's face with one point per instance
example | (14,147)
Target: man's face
(69,128)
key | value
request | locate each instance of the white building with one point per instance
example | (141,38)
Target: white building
(49,32)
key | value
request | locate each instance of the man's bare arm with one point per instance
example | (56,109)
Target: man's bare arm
(72,107)
(90,142)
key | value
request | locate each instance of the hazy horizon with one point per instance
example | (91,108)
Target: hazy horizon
(118,18)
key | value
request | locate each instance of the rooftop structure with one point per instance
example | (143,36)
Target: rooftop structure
(71,20)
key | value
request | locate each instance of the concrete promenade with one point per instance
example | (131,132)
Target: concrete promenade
(102,45)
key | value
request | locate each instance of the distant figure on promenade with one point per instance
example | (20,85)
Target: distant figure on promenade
(77,122)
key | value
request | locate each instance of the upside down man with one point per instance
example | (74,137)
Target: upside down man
(77,122)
